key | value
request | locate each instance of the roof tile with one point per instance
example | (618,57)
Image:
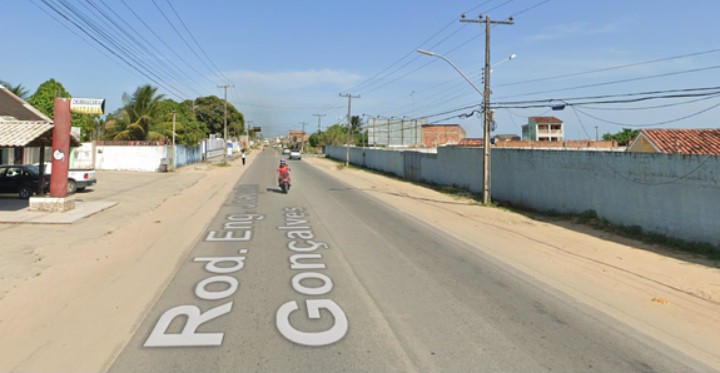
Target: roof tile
(685,141)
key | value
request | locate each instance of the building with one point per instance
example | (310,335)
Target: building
(434,135)
(543,129)
(677,141)
(297,137)
(25,132)
(505,138)
(394,132)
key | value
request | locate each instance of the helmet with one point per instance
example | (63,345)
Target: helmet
(282,162)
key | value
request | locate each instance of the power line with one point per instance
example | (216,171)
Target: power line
(134,64)
(202,50)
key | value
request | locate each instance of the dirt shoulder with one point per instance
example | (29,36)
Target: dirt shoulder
(672,299)
(71,296)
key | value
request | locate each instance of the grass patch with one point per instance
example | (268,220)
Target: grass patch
(590,218)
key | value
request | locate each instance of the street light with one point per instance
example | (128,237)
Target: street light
(508,58)
(433,54)
(486,108)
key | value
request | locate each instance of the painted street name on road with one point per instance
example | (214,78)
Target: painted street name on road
(305,258)
(236,229)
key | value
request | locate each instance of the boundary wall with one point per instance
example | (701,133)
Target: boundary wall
(676,195)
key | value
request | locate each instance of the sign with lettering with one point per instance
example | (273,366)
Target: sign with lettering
(87,105)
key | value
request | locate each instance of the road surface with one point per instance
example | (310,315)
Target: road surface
(328,279)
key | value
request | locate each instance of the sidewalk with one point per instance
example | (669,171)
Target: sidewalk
(14,211)
(82,210)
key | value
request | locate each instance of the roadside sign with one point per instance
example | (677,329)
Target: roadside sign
(87,105)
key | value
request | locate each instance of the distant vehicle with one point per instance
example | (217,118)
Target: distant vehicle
(286,151)
(295,154)
(78,179)
(21,179)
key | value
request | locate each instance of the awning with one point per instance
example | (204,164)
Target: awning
(19,134)
(27,133)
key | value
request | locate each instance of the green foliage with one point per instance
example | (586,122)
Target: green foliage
(17,90)
(337,134)
(622,138)
(135,120)
(44,100)
(188,131)
(211,111)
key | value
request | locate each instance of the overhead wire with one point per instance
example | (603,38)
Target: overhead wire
(162,66)
(131,62)
(187,44)
(202,50)
(165,43)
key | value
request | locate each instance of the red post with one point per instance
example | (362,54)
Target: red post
(60,148)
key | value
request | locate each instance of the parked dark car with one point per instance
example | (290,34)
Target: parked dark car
(21,179)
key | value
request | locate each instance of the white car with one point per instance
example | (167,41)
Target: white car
(295,154)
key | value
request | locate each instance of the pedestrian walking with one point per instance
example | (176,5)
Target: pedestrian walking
(243,156)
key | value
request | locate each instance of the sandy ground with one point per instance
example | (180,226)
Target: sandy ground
(60,300)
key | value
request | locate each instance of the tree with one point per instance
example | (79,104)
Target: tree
(44,100)
(188,131)
(211,111)
(336,134)
(17,90)
(622,138)
(134,121)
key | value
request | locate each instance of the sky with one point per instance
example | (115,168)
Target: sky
(286,62)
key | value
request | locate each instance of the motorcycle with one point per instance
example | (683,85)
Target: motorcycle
(285,184)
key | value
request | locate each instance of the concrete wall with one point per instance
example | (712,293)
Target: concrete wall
(674,195)
(130,158)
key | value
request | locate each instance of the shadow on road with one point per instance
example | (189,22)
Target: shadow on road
(275,190)
(12,202)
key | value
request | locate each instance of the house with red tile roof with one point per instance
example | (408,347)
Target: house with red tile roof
(677,141)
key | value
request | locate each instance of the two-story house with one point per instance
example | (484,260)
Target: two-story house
(543,129)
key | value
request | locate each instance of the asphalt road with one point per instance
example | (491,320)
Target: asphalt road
(328,279)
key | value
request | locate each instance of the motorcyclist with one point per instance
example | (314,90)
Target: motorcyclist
(283,172)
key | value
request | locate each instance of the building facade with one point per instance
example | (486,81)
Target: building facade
(543,129)
(434,135)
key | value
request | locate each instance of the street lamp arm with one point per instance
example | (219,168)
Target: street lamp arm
(433,54)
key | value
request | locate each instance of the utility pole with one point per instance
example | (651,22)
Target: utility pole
(349,119)
(486,101)
(318,117)
(225,135)
(247,133)
(302,137)
(174,147)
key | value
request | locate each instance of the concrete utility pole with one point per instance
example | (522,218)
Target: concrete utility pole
(302,137)
(225,135)
(174,146)
(349,119)
(318,117)
(486,101)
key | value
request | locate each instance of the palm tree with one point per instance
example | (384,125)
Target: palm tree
(135,119)
(17,90)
